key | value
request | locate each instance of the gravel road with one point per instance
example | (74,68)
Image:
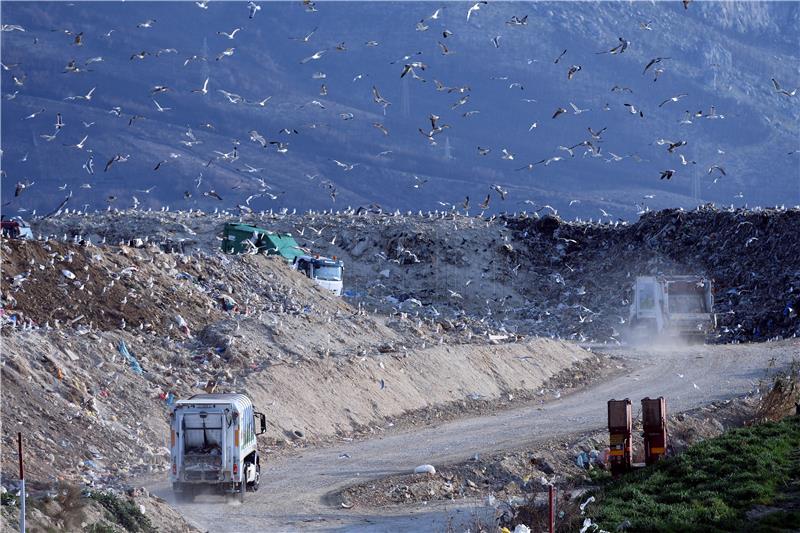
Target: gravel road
(295,490)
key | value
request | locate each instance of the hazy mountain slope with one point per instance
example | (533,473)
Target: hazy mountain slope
(722,54)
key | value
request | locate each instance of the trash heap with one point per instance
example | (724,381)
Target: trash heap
(750,255)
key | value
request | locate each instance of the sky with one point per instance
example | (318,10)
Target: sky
(309,107)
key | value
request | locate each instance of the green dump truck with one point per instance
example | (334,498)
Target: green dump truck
(246,238)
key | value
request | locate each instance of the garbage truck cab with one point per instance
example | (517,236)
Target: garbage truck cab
(673,305)
(325,271)
(213,444)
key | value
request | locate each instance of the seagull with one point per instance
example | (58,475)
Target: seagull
(484,151)
(253,8)
(475,7)
(59,122)
(202,4)
(596,134)
(576,110)
(516,21)
(212,193)
(228,52)
(34,114)
(507,155)
(496,41)
(263,103)
(306,38)
(501,191)
(685,161)
(445,51)
(534,125)
(653,62)
(633,110)
(193,58)
(140,55)
(117,158)
(232,98)
(204,90)
(146,24)
(574,69)
(646,25)
(560,56)
(347,167)
(158,106)
(378,99)
(230,35)
(778,88)
(559,111)
(673,99)
(712,168)
(87,96)
(159,89)
(673,146)
(667,174)
(79,146)
(313,57)
(89,165)
(381,127)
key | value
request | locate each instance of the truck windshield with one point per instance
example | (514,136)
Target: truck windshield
(646,299)
(328,273)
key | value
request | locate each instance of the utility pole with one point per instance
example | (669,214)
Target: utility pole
(21,485)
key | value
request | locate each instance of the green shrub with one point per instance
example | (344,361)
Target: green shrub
(123,512)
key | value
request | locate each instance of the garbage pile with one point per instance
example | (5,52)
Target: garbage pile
(750,255)
(472,278)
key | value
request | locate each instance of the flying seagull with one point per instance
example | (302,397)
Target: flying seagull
(673,99)
(475,7)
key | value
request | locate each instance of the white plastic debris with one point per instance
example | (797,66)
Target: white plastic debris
(522,528)
(68,274)
(425,469)
(589,500)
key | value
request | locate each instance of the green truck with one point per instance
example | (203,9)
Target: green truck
(240,238)
(245,238)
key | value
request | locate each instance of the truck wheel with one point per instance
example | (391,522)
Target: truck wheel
(254,484)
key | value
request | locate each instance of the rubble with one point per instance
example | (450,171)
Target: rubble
(521,274)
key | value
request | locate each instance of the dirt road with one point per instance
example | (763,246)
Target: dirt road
(294,489)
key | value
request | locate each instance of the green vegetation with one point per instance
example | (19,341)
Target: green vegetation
(711,486)
(123,512)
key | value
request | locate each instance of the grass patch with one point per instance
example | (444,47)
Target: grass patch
(123,512)
(709,487)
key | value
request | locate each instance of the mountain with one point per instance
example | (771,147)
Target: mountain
(722,55)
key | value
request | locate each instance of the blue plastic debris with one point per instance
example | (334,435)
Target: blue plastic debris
(123,349)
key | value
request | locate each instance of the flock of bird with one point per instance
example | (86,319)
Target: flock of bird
(412,65)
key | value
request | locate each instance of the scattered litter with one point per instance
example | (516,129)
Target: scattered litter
(123,349)
(425,469)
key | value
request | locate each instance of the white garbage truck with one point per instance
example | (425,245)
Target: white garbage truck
(681,306)
(213,443)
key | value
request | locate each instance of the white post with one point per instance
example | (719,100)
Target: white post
(22,485)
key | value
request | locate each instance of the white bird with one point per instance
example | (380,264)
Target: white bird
(226,53)
(230,35)
(475,7)
(313,57)
(79,146)
(347,167)
(576,110)
(204,90)
(158,106)
(254,8)
(146,24)
(507,155)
